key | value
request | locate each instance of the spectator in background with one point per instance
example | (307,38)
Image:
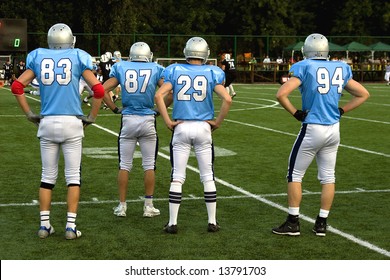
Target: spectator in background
(266,63)
(387,73)
(252,63)
(279,61)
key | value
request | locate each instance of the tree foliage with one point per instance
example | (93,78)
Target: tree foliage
(118,22)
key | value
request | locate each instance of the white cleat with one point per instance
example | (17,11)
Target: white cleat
(120,210)
(150,211)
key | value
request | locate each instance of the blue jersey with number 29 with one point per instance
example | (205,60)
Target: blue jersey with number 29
(58,73)
(322,83)
(193,87)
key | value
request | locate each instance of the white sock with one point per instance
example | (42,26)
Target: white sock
(293,211)
(148,200)
(323,213)
(231,89)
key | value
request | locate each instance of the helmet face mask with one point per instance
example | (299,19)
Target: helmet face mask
(60,36)
(316,46)
(197,47)
(140,51)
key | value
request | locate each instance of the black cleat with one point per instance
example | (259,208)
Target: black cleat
(172,229)
(320,226)
(213,227)
(288,228)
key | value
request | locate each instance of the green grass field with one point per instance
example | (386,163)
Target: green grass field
(252,149)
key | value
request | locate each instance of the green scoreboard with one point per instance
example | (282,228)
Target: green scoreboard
(13,35)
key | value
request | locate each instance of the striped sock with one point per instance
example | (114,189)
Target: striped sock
(71,220)
(175,194)
(210,197)
(45,219)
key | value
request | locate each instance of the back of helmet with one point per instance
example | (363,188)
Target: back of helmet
(316,46)
(197,47)
(140,51)
(60,36)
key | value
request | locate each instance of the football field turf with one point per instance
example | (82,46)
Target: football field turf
(251,148)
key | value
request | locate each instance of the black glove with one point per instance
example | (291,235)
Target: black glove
(87,120)
(300,115)
(117,110)
(35,119)
(341,110)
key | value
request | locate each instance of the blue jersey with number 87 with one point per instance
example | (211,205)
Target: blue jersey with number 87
(322,83)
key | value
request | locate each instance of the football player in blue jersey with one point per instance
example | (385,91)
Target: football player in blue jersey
(191,86)
(61,121)
(321,83)
(139,77)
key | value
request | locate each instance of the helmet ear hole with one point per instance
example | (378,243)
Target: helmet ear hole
(197,47)
(316,46)
(60,36)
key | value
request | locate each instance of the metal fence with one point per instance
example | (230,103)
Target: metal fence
(242,47)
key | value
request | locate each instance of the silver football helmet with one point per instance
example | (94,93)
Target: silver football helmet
(140,51)
(316,46)
(197,47)
(60,36)
(117,55)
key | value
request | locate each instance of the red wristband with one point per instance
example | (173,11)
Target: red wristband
(17,88)
(98,91)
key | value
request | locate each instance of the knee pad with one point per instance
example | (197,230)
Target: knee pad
(46,186)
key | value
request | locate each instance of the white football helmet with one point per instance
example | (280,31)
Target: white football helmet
(197,47)
(60,36)
(117,55)
(227,56)
(140,51)
(104,58)
(316,46)
(109,55)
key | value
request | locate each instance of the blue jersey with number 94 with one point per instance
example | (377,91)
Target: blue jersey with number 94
(193,87)
(322,83)
(58,73)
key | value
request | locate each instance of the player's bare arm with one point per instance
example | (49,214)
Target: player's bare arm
(359,93)
(221,91)
(160,98)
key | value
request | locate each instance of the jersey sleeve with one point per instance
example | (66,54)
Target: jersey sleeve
(167,74)
(30,60)
(114,70)
(348,75)
(219,75)
(296,71)
(85,60)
